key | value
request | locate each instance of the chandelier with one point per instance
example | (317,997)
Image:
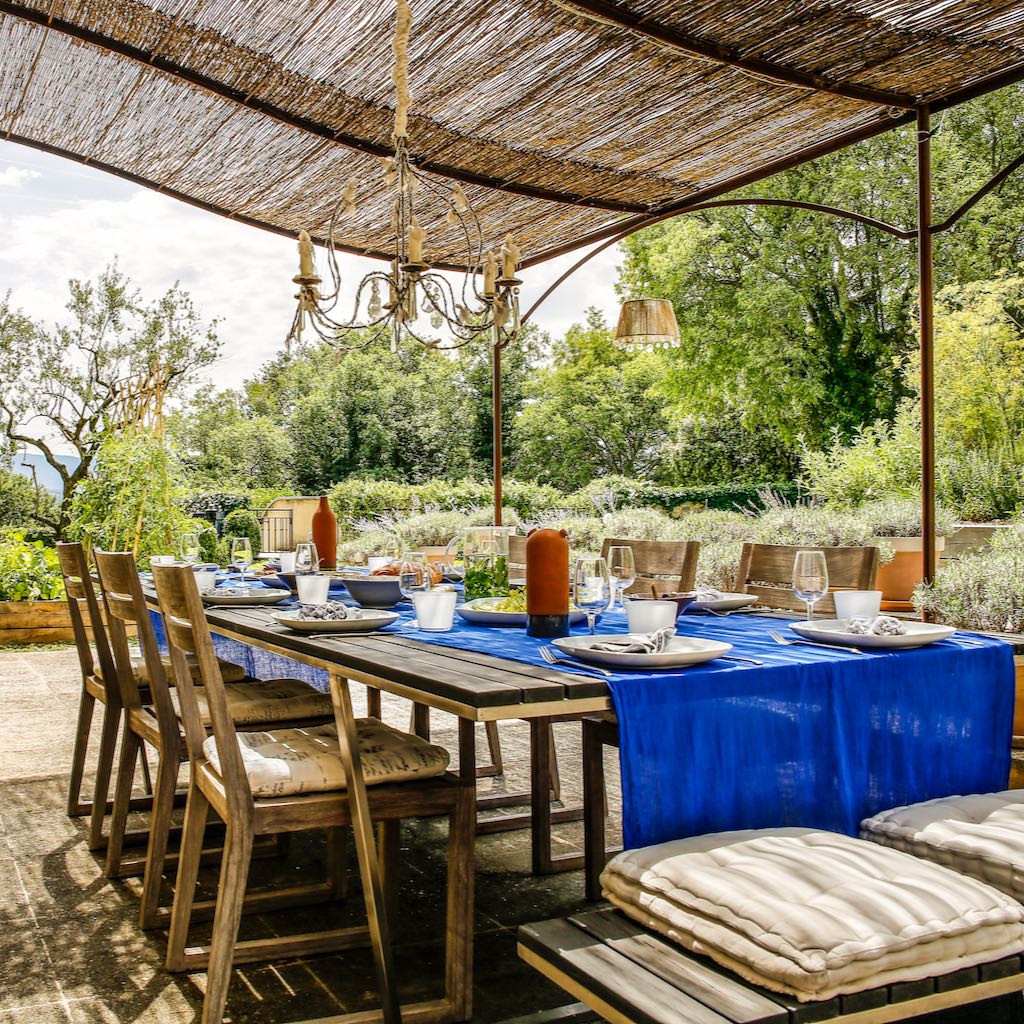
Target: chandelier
(410,300)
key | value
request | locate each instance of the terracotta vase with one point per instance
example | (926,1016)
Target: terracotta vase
(897,579)
(325,534)
(547,583)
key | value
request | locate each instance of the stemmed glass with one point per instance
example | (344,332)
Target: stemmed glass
(306,558)
(413,574)
(810,578)
(591,588)
(622,568)
(188,547)
(241,554)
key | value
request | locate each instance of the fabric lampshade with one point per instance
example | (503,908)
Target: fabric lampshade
(647,323)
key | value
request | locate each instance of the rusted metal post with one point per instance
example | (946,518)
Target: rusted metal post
(496,420)
(926,299)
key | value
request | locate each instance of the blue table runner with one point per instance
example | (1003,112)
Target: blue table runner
(813,738)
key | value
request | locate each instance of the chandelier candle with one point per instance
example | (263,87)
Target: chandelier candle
(547,583)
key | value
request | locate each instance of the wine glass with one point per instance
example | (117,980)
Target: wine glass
(591,588)
(810,578)
(241,554)
(622,569)
(413,574)
(392,548)
(188,547)
(306,558)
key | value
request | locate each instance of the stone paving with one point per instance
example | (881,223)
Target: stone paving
(70,949)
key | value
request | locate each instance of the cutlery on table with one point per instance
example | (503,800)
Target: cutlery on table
(556,659)
(966,641)
(739,658)
(789,641)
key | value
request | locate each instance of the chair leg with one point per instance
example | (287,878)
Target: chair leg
(188,873)
(459,925)
(556,779)
(594,801)
(373,705)
(337,862)
(494,747)
(122,798)
(234,875)
(108,741)
(86,707)
(147,778)
(159,830)
(419,721)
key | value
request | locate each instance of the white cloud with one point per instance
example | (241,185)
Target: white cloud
(15,177)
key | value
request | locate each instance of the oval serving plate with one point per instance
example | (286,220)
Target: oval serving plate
(481,612)
(252,595)
(725,603)
(681,651)
(368,620)
(833,631)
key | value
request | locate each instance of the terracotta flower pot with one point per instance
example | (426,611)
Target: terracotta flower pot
(897,579)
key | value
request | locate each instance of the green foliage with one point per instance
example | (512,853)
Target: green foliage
(29,571)
(22,503)
(68,381)
(211,504)
(242,523)
(131,499)
(209,543)
(901,517)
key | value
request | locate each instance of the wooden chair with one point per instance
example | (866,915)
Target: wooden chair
(767,570)
(219,779)
(98,684)
(668,565)
(152,720)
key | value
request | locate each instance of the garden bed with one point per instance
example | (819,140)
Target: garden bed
(34,622)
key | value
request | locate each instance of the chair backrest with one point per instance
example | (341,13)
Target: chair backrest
(188,633)
(126,608)
(86,616)
(516,556)
(667,565)
(767,570)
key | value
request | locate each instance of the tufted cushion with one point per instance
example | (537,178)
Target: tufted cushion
(980,835)
(812,913)
(268,700)
(289,761)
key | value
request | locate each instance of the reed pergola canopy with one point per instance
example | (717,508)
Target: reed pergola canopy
(567,120)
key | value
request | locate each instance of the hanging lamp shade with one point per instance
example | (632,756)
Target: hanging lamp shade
(647,324)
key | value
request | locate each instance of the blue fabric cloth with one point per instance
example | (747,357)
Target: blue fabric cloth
(813,738)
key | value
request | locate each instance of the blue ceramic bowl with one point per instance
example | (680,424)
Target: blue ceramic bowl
(374,591)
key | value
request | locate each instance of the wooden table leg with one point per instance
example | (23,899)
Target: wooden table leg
(541,815)
(366,850)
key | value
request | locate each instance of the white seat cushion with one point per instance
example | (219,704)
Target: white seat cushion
(267,700)
(980,835)
(813,914)
(290,761)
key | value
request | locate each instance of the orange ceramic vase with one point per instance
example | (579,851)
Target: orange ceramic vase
(325,534)
(547,583)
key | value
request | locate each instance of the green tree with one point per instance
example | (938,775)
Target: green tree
(594,412)
(60,387)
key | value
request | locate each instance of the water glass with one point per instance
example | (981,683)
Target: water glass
(313,587)
(241,553)
(206,579)
(649,616)
(591,588)
(810,578)
(622,568)
(413,574)
(188,547)
(857,604)
(435,610)
(162,559)
(375,562)
(306,557)
(287,561)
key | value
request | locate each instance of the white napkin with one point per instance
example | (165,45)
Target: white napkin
(707,594)
(639,643)
(332,611)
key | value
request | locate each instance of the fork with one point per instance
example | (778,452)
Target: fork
(788,641)
(554,659)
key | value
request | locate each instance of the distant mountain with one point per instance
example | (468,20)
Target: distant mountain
(46,475)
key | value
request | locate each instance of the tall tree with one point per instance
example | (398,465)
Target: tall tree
(59,387)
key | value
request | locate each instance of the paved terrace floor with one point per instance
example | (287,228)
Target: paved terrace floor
(70,949)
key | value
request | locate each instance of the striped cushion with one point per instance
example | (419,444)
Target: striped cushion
(286,762)
(980,835)
(267,700)
(813,914)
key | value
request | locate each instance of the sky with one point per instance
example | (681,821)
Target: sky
(60,220)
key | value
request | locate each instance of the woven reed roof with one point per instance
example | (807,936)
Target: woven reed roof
(569,118)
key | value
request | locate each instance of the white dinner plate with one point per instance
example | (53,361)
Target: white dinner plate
(252,595)
(481,612)
(679,652)
(367,620)
(834,631)
(725,603)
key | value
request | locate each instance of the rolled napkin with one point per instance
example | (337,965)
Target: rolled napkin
(707,594)
(228,591)
(332,611)
(638,643)
(881,625)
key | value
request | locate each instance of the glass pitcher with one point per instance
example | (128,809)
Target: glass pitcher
(479,556)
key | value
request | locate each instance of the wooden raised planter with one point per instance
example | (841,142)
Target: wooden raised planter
(34,622)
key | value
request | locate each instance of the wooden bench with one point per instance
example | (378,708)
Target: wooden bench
(628,974)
